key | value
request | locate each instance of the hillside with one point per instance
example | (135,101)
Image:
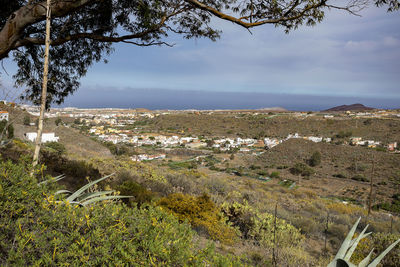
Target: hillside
(226,198)
(353,107)
(275,125)
(76,144)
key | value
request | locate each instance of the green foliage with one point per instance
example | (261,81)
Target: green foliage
(117,149)
(56,147)
(182,165)
(201,213)
(315,159)
(379,241)
(275,175)
(8,128)
(27,120)
(360,178)
(367,122)
(37,231)
(260,226)
(58,121)
(343,134)
(301,169)
(357,167)
(349,247)
(140,194)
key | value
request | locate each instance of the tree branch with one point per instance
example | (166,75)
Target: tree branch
(30,14)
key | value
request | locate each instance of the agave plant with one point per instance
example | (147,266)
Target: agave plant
(342,258)
(81,196)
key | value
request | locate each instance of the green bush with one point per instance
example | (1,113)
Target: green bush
(359,178)
(201,213)
(378,241)
(259,226)
(27,120)
(8,128)
(140,195)
(315,159)
(56,147)
(36,230)
(275,175)
(301,169)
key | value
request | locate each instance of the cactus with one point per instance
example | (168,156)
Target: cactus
(342,258)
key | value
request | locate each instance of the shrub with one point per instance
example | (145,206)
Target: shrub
(216,186)
(339,175)
(201,213)
(357,167)
(8,128)
(56,147)
(259,226)
(275,175)
(27,120)
(38,231)
(307,225)
(301,169)
(262,173)
(360,178)
(315,159)
(58,121)
(140,195)
(379,241)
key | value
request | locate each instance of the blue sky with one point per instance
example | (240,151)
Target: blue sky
(345,58)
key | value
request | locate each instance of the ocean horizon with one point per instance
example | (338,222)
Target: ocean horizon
(163,99)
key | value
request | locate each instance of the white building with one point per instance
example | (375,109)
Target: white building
(46,137)
(3,115)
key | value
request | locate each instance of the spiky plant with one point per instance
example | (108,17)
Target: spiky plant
(342,258)
(81,196)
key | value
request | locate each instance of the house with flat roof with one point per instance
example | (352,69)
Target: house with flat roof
(46,137)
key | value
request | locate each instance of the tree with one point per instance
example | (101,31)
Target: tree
(6,128)
(27,120)
(315,159)
(83,31)
(58,121)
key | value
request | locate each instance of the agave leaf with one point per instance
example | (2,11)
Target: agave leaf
(383,254)
(63,192)
(96,199)
(365,261)
(78,192)
(355,243)
(346,243)
(94,194)
(53,179)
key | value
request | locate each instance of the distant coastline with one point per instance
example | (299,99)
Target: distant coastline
(160,99)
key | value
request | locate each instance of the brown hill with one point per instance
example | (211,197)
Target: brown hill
(358,107)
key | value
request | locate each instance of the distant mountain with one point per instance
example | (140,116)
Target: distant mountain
(359,107)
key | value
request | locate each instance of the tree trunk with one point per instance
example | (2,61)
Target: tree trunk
(44,87)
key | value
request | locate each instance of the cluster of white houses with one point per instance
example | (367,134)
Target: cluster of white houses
(271,142)
(46,137)
(142,157)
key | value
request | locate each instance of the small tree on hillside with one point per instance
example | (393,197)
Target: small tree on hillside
(27,120)
(58,121)
(315,159)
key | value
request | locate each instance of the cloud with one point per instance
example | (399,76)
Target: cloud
(364,46)
(391,41)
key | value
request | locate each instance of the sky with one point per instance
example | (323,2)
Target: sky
(343,60)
